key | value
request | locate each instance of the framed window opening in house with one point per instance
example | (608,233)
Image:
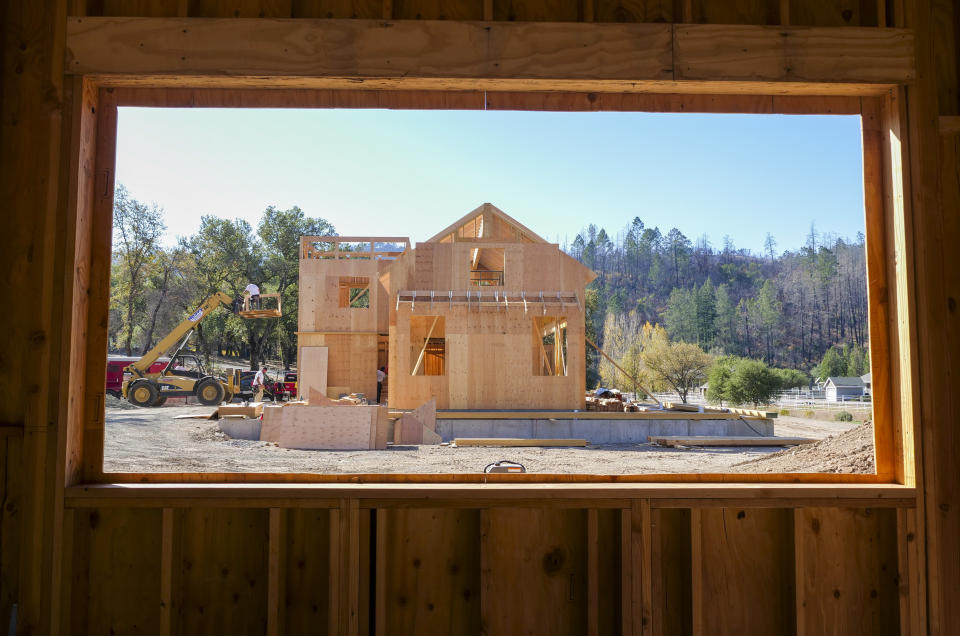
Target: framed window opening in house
(888,249)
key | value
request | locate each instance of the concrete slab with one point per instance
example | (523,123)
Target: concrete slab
(239,428)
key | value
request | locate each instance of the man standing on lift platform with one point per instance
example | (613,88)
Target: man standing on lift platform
(254,292)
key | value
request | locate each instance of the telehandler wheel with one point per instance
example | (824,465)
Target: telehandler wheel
(210,392)
(142,393)
(161,400)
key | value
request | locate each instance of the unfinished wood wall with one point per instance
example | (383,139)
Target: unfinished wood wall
(626,567)
(489,350)
(177,564)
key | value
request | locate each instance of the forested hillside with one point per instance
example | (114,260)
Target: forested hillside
(787,309)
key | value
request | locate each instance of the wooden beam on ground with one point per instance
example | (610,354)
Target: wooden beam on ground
(648,55)
(710,440)
(768,415)
(509,441)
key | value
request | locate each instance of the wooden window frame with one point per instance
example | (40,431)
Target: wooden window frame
(91,135)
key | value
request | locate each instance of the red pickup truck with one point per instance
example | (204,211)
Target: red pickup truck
(286,386)
(115,367)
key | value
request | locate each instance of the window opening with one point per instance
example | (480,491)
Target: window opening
(355,293)
(428,345)
(550,346)
(486,266)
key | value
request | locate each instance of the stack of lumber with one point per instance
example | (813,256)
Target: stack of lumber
(610,405)
(250,409)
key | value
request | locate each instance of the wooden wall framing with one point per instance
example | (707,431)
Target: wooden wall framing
(64,546)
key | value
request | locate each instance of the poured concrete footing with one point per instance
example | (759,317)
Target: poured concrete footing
(599,431)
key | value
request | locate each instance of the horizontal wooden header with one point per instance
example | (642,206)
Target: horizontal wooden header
(516,56)
(470,495)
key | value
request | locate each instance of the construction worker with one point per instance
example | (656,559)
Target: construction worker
(381,376)
(257,385)
(254,292)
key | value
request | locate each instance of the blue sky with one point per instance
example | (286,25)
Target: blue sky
(411,173)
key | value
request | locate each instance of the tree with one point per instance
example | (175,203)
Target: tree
(139,228)
(792,378)
(833,364)
(706,301)
(681,365)
(680,316)
(718,379)
(753,381)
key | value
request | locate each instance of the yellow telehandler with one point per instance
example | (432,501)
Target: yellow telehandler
(184,375)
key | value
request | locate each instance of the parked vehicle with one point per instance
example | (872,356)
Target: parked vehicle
(115,367)
(286,388)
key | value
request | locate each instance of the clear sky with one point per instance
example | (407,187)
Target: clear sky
(412,173)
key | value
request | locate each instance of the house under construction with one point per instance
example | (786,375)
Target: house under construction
(486,314)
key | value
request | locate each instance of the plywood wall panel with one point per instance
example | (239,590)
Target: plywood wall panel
(671,596)
(428,571)
(834,13)
(240,8)
(360,9)
(847,571)
(138,8)
(533,569)
(112,571)
(635,10)
(438,9)
(222,571)
(743,574)
(536,10)
(736,12)
(307,571)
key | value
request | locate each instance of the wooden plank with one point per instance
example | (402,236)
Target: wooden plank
(743,571)
(312,368)
(223,570)
(275,573)
(167,560)
(481,50)
(949,124)
(846,565)
(250,410)
(114,580)
(706,440)
(308,577)
(536,557)
(507,441)
(428,570)
(748,53)
(671,571)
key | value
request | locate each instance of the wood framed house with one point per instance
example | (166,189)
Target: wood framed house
(486,314)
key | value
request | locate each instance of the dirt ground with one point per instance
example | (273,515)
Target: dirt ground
(151,440)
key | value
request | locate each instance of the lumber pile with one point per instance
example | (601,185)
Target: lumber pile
(250,409)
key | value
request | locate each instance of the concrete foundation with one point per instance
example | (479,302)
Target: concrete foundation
(596,431)
(241,428)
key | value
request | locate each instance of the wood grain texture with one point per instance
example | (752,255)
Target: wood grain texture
(113,572)
(534,561)
(428,572)
(671,569)
(222,571)
(846,585)
(743,571)
(793,53)
(307,571)
(376,49)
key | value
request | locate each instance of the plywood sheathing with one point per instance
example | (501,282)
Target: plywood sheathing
(418,426)
(309,427)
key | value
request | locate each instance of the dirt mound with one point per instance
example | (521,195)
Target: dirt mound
(849,452)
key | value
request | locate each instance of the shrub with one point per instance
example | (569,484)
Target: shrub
(843,416)
(784,411)
(808,413)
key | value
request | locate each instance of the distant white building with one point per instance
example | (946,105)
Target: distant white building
(867,383)
(838,388)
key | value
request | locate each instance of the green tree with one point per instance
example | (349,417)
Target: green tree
(833,364)
(706,301)
(680,316)
(718,379)
(138,229)
(792,378)
(754,382)
(683,366)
